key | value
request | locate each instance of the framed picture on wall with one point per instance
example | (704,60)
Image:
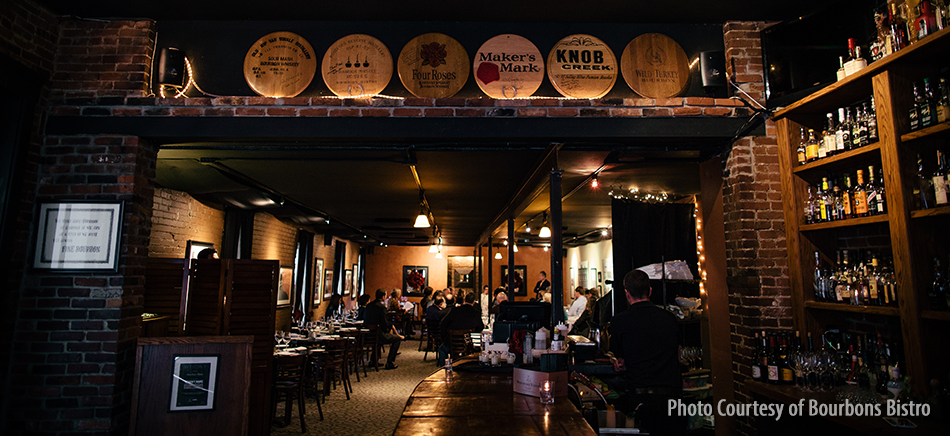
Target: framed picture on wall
(347,282)
(78,236)
(285,290)
(414,280)
(194,379)
(520,289)
(327,283)
(317,282)
(356,281)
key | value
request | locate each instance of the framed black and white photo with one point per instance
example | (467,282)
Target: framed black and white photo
(285,290)
(356,281)
(317,282)
(328,283)
(194,379)
(78,236)
(347,282)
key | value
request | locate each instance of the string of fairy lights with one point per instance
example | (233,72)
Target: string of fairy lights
(635,194)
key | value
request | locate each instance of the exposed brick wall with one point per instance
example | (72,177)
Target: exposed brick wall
(177,218)
(74,351)
(273,239)
(103,59)
(757,268)
(28,34)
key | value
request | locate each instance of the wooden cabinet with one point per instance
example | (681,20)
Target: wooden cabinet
(913,237)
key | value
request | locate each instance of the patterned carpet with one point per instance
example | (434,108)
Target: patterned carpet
(374,406)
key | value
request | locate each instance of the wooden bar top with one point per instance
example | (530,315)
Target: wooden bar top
(484,403)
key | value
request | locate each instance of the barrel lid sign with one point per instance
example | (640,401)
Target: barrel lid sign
(281,64)
(508,66)
(582,66)
(357,65)
(433,65)
(655,66)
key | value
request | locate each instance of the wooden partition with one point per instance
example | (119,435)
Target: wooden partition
(153,386)
(163,283)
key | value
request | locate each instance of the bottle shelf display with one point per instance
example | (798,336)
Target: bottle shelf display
(910,236)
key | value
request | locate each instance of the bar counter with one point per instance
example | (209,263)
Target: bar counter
(484,403)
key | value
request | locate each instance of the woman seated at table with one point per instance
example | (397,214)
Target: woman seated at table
(394,306)
(361,310)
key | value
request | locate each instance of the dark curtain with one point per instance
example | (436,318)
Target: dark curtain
(238,233)
(339,265)
(646,233)
(304,274)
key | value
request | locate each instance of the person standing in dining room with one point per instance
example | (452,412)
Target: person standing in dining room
(644,340)
(541,286)
(376,316)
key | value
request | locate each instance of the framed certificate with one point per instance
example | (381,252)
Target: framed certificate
(78,235)
(193,383)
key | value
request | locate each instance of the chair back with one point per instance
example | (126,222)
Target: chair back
(335,355)
(433,331)
(289,370)
(460,342)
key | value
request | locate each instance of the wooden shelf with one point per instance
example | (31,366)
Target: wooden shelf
(858,85)
(939,315)
(845,223)
(937,211)
(840,160)
(930,131)
(874,310)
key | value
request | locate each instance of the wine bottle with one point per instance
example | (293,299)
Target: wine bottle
(773,363)
(819,280)
(940,180)
(756,362)
(785,368)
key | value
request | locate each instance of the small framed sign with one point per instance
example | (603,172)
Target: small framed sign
(78,235)
(193,383)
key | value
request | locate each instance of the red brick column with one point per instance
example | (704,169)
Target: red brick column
(74,341)
(757,269)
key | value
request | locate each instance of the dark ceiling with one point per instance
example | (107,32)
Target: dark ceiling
(365,186)
(550,11)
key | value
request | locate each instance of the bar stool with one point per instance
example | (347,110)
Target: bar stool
(288,386)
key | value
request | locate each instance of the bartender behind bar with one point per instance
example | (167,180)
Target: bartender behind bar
(643,338)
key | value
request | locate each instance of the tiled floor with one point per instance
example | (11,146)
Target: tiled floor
(375,404)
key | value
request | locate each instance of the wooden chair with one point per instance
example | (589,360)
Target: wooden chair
(355,354)
(370,347)
(312,377)
(433,338)
(460,343)
(288,386)
(335,364)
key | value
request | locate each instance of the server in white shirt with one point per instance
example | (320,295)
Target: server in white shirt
(577,308)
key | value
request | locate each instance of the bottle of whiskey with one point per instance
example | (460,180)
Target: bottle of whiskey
(843,134)
(925,185)
(940,181)
(861,196)
(802,152)
(847,197)
(859,129)
(943,105)
(914,111)
(826,201)
(828,139)
(898,28)
(927,112)
(810,207)
(811,147)
(926,23)
(874,206)
(872,123)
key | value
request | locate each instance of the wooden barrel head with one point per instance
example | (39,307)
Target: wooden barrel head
(655,66)
(582,66)
(280,64)
(357,65)
(508,66)
(433,65)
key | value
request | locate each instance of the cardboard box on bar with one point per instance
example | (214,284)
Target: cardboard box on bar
(529,382)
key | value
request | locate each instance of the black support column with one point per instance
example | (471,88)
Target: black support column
(511,260)
(557,258)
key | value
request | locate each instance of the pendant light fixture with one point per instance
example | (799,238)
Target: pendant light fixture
(435,243)
(422,221)
(545,230)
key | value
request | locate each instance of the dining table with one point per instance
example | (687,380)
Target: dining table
(480,400)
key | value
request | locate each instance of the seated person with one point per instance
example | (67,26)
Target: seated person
(436,311)
(500,297)
(361,310)
(464,317)
(376,316)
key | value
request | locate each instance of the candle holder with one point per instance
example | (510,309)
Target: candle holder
(547,393)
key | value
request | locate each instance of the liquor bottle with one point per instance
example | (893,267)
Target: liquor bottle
(882,358)
(898,28)
(811,147)
(855,62)
(847,197)
(819,280)
(927,112)
(940,180)
(874,199)
(874,284)
(811,344)
(826,201)
(810,207)
(914,111)
(872,123)
(943,105)
(926,23)
(802,154)
(842,281)
(858,282)
(838,207)
(756,362)
(938,290)
(882,43)
(773,363)
(861,196)
(843,134)
(925,185)
(890,286)
(828,138)
(859,130)
(879,190)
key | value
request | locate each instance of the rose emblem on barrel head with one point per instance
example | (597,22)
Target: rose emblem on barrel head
(433,54)
(487,72)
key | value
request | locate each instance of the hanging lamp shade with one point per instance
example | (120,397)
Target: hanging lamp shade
(545,232)
(497,255)
(422,221)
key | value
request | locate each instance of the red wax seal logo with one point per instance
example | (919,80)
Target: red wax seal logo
(487,72)
(433,54)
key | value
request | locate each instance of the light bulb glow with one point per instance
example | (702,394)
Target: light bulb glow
(545,232)
(422,221)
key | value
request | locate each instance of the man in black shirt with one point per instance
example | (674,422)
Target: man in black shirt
(644,340)
(375,315)
(542,285)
